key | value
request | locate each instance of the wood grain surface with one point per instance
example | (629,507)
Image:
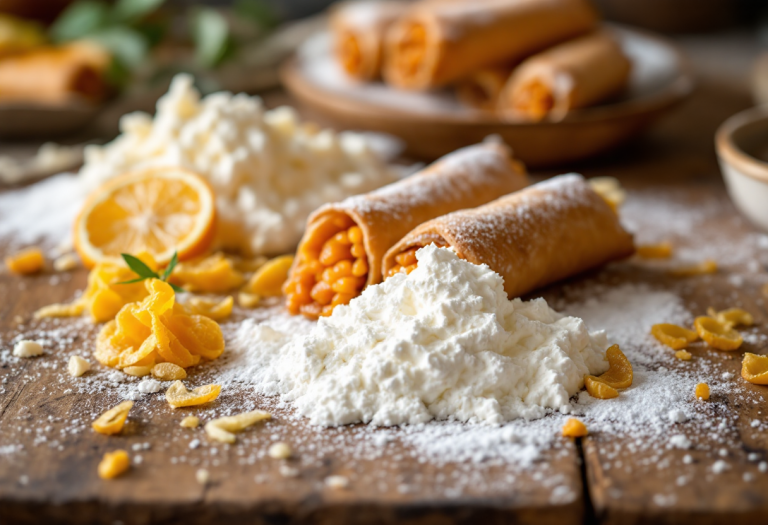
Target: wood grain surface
(54,480)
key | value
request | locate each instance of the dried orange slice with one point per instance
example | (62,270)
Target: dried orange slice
(619,374)
(674,336)
(716,334)
(269,279)
(157,210)
(598,389)
(213,274)
(26,262)
(732,316)
(168,372)
(574,428)
(223,429)
(178,396)
(754,368)
(210,308)
(113,420)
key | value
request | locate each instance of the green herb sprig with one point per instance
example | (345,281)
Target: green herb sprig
(145,272)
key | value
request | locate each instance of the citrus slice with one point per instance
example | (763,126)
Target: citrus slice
(157,210)
(673,335)
(754,368)
(716,334)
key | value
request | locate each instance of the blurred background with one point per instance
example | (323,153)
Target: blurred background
(123,54)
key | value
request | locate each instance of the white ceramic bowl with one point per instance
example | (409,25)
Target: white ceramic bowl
(742,148)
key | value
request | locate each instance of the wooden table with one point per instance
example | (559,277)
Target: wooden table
(48,454)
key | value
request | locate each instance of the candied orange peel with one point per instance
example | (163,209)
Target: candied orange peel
(702,391)
(703,268)
(662,250)
(732,316)
(223,429)
(754,368)
(106,292)
(168,372)
(268,280)
(26,262)
(112,421)
(213,274)
(674,336)
(716,334)
(156,330)
(113,464)
(574,428)
(210,308)
(618,376)
(178,396)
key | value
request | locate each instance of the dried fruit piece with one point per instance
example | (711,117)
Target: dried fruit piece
(609,188)
(77,366)
(113,464)
(702,268)
(716,334)
(662,250)
(702,391)
(216,310)
(732,316)
(168,372)
(212,274)
(619,374)
(674,336)
(683,355)
(599,389)
(26,262)
(575,429)
(157,330)
(269,279)
(248,265)
(178,395)
(754,368)
(190,422)
(137,371)
(112,421)
(248,300)
(61,310)
(223,429)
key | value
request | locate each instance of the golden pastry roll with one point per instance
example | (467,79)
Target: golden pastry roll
(344,243)
(539,235)
(481,89)
(54,75)
(576,74)
(358,31)
(436,43)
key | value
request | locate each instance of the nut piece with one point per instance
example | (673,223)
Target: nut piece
(754,368)
(716,334)
(190,422)
(112,421)
(137,371)
(27,349)
(702,391)
(575,429)
(674,336)
(65,263)
(663,250)
(26,262)
(168,372)
(683,355)
(223,429)
(280,451)
(77,366)
(178,395)
(113,464)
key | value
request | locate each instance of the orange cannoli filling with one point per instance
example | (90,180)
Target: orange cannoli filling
(412,49)
(535,100)
(332,268)
(406,261)
(351,57)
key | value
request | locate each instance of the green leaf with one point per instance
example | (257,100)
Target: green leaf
(133,281)
(78,20)
(177,289)
(127,45)
(170,267)
(258,12)
(210,32)
(141,269)
(133,10)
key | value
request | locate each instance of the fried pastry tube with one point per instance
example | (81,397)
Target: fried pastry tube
(358,30)
(481,89)
(576,74)
(438,42)
(539,235)
(54,75)
(344,243)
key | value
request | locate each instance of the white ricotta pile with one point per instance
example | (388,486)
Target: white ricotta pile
(441,343)
(268,169)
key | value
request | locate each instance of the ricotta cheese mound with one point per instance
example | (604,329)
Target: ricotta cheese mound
(269,170)
(443,342)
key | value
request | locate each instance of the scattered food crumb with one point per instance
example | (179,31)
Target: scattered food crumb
(77,366)
(27,349)
(280,451)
